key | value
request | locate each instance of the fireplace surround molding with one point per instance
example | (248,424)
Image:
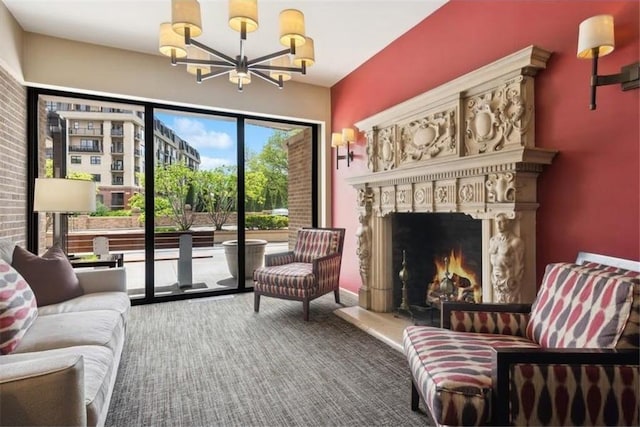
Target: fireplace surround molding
(466,146)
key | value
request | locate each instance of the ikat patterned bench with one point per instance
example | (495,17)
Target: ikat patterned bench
(570,358)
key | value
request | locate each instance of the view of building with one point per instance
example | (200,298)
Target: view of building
(109,144)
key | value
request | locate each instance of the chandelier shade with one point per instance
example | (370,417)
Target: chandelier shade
(177,41)
(185,14)
(243,12)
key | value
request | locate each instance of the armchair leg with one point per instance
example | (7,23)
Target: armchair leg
(336,293)
(256,302)
(305,310)
(415,397)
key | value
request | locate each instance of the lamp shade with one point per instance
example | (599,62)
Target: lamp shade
(336,139)
(348,135)
(243,11)
(291,27)
(596,32)
(186,14)
(305,53)
(195,53)
(235,77)
(170,41)
(64,195)
(283,61)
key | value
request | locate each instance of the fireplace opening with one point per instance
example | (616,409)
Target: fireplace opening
(443,255)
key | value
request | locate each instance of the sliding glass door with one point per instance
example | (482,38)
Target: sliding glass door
(188,201)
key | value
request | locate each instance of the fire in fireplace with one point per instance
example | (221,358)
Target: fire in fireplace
(454,281)
(427,240)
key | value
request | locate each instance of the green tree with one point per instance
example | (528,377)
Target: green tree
(218,193)
(177,183)
(273,164)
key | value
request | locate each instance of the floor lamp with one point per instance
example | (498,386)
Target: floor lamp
(62,196)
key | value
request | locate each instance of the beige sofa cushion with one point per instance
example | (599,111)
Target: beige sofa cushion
(98,367)
(99,327)
(118,301)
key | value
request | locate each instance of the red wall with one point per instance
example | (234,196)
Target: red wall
(589,196)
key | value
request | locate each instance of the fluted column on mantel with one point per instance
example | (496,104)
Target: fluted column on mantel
(381,283)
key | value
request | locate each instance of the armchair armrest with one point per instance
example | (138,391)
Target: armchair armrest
(103,280)
(327,271)
(505,319)
(279,258)
(47,391)
(565,386)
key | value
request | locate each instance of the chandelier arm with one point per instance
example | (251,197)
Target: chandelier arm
(214,52)
(277,68)
(268,57)
(204,62)
(267,78)
(214,74)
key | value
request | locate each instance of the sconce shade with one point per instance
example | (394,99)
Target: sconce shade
(195,53)
(348,135)
(336,139)
(283,61)
(292,28)
(171,41)
(64,195)
(596,32)
(305,53)
(186,14)
(243,11)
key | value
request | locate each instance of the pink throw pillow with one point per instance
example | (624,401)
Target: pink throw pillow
(18,308)
(51,276)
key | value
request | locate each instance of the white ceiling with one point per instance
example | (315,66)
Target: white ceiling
(346,32)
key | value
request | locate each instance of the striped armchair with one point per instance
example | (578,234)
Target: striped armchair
(311,270)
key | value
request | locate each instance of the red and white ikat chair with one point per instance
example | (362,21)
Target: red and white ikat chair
(311,270)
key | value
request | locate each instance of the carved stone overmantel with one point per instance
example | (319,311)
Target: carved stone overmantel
(467,146)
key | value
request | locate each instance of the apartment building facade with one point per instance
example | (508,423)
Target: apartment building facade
(108,143)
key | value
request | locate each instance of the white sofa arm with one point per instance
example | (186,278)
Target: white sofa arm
(103,280)
(49,391)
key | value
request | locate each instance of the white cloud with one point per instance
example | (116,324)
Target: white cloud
(207,163)
(196,134)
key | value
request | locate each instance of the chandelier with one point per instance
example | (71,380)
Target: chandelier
(177,42)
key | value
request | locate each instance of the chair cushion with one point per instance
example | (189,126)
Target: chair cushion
(452,370)
(311,244)
(580,307)
(18,309)
(297,275)
(51,276)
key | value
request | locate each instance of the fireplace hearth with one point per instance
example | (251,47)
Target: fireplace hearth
(464,150)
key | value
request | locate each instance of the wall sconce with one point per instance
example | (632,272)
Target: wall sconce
(595,39)
(341,139)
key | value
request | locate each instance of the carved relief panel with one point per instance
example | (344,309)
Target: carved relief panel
(385,149)
(499,117)
(427,137)
(445,195)
(404,198)
(423,197)
(387,200)
(471,194)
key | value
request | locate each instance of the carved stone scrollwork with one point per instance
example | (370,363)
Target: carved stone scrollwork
(372,151)
(386,150)
(466,193)
(497,118)
(363,234)
(428,137)
(501,188)
(441,195)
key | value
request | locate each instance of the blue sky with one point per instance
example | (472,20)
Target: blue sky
(215,139)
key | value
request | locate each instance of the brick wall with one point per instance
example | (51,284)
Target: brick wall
(300,170)
(13,159)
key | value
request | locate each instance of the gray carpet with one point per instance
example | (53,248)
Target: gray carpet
(217,363)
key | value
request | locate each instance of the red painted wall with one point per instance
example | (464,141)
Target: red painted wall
(589,196)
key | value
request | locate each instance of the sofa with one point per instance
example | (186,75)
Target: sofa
(570,358)
(63,369)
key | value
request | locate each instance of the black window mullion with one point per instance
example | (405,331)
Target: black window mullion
(241,201)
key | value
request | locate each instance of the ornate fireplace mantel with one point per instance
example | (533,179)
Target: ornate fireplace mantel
(467,146)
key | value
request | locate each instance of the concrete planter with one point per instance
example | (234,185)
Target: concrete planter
(253,255)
